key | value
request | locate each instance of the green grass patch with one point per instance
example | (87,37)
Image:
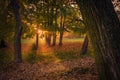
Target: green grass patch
(67,55)
(33,56)
(28,41)
(32,40)
(73,39)
(62,54)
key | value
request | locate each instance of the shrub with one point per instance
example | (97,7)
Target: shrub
(31,57)
(6,56)
(34,47)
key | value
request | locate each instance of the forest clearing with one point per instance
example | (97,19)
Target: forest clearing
(52,63)
(59,40)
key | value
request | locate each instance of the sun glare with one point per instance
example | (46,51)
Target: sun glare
(39,31)
(72,5)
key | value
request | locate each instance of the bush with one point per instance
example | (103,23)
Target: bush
(31,57)
(34,47)
(6,56)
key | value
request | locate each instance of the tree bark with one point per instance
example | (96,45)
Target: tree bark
(61,38)
(104,28)
(18,31)
(37,40)
(48,39)
(85,45)
(54,38)
(61,30)
(54,28)
(2,43)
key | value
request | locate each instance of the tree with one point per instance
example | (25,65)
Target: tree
(18,31)
(62,8)
(55,24)
(104,27)
(62,22)
(85,45)
(6,24)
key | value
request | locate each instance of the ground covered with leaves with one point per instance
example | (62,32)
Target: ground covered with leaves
(50,63)
(77,69)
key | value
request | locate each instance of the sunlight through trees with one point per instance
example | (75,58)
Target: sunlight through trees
(51,22)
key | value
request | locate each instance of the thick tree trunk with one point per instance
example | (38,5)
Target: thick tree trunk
(104,28)
(18,31)
(85,46)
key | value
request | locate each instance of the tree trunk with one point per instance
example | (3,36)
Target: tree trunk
(18,31)
(54,38)
(61,29)
(48,39)
(37,40)
(61,38)
(85,46)
(103,26)
(55,25)
(2,43)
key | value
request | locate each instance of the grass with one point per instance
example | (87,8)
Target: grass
(33,56)
(66,55)
(28,41)
(32,40)
(68,51)
(6,56)
(57,56)
(73,40)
